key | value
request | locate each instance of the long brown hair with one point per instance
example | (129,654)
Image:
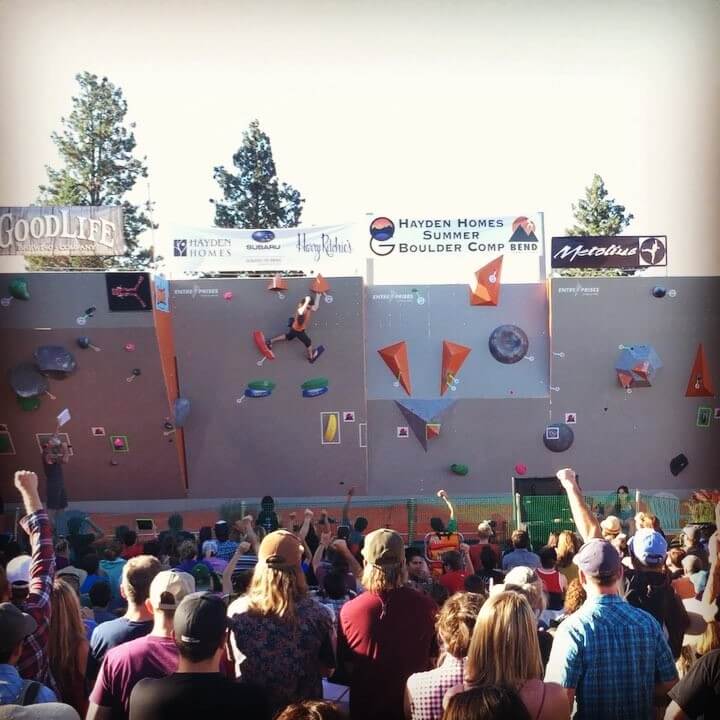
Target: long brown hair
(456,621)
(276,591)
(65,640)
(486,703)
(567,546)
(504,648)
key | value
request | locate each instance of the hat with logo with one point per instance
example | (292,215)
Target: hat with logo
(648,546)
(18,569)
(598,557)
(201,621)
(281,550)
(201,573)
(383,548)
(169,587)
(611,525)
(15,626)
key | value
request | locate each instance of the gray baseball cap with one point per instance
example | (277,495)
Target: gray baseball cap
(15,626)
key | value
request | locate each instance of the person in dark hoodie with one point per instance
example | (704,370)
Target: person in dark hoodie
(267,518)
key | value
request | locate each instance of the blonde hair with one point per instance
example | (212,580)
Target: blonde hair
(644,520)
(137,574)
(567,546)
(504,648)
(382,579)
(276,591)
(65,638)
(456,621)
(710,639)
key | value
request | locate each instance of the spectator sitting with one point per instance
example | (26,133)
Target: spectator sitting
(15,627)
(137,621)
(417,569)
(100,596)
(554,582)
(280,637)
(649,586)
(200,631)
(112,566)
(68,646)
(131,547)
(492,702)
(425,690)
(312,710)
(386,633)
(692,546)
(455,569)
(91,565)
(150,656)
(225,547)
(484,532)
(693,569)
(520,555)
(504,651)
(568,545)
(488,568)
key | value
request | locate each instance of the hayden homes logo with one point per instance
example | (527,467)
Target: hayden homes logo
(620,251)
(202,247)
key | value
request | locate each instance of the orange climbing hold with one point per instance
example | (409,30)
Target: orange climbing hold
(453,357)
(278,284)
(700,383)
(395,357)
(319,285)
(487,290)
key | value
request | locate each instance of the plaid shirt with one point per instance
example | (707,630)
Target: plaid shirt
(33,663)
(427,689)
(613,654)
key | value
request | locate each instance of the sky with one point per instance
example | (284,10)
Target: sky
(482,107)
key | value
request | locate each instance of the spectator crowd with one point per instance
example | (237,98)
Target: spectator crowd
(314,619)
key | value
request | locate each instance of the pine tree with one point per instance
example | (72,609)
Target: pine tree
(597,214)
(253,197)
(99,168)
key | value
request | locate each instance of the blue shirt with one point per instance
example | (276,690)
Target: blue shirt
(11,685)
(520,558)
(613,654)
(226,549)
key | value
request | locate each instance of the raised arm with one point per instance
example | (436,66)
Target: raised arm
(305,527)
(241,549)
(585,522)
(250,534)
(316,304)
(346,507)
(320,551)
(353,564)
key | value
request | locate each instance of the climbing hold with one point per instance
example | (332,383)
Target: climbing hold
(55,360)
(659,292)
(18,289)
(508,344)
(395,357)
(26,380)
(558,437)
(520,469)
(181,410)
(459,469)
(314,383)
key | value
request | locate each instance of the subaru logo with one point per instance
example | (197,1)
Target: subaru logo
(263,236)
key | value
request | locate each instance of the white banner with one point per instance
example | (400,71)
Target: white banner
(450,249)
(330,250)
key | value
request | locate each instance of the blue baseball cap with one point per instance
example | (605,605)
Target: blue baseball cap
(648,546)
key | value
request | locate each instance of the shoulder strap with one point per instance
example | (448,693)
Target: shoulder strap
(542,703)
(29,692)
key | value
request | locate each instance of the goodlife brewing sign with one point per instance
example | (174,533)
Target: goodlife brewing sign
(80,230)
(617,251)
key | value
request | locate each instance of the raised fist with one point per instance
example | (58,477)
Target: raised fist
(441,494)
(309,514)
(567,478)
(26,481)
(243,547)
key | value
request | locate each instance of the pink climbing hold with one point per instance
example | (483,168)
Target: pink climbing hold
(520,469)
(130,347)
(228,296)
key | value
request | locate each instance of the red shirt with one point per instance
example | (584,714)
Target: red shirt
(453,581)
(131,551)
(475,551)
(385,639)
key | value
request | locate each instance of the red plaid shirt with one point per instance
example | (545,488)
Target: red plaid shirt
(33,663)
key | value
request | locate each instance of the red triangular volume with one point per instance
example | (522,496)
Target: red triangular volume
(487,290)
(395,357)
(319,284)
(453,357)
(700,383)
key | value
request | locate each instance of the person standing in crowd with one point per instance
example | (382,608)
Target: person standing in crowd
(554,582)
(417,570)
(225,547)
(521,554)
(611,657)
(151,656)
(488,570)
(36,575)
(697,694)
(424,691)
(112,565)
(456,567)
(131,547)
(491,702)
(55,454)
(100,596)
(281,639)
(312,710)
(358,528)
(568,545)
(386,633)
(175,530)
(68,646)
(624,510)
(692,546)
(137,621)
(200,631)
(504,650)
(15,627)
(484,532)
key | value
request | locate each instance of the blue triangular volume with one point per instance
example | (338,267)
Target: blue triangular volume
(427,410)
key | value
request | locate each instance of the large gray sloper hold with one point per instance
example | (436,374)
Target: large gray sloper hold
(26,380)
(55,360)
(558,437)
(508,344)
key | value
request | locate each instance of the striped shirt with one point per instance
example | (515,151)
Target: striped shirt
(613,655)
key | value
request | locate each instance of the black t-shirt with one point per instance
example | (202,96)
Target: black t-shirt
(191,695)
(698,693)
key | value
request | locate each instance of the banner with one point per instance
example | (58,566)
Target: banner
(450,249)
(330,249)
(77,230)
(619,251)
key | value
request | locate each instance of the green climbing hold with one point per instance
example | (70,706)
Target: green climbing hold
(28,403)
(459,469)
(19,289)
(261,385)
(315,383)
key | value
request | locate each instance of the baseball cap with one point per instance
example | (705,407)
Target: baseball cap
(598,557)
(383,547)
(201,574)
(200,621)
(71,570)
(611,525)
(15,625)
(18,569)
(648,546)
(169,587)
(39,711)
(281,550)
(209,545)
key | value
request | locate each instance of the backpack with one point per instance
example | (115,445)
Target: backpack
(28,693)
